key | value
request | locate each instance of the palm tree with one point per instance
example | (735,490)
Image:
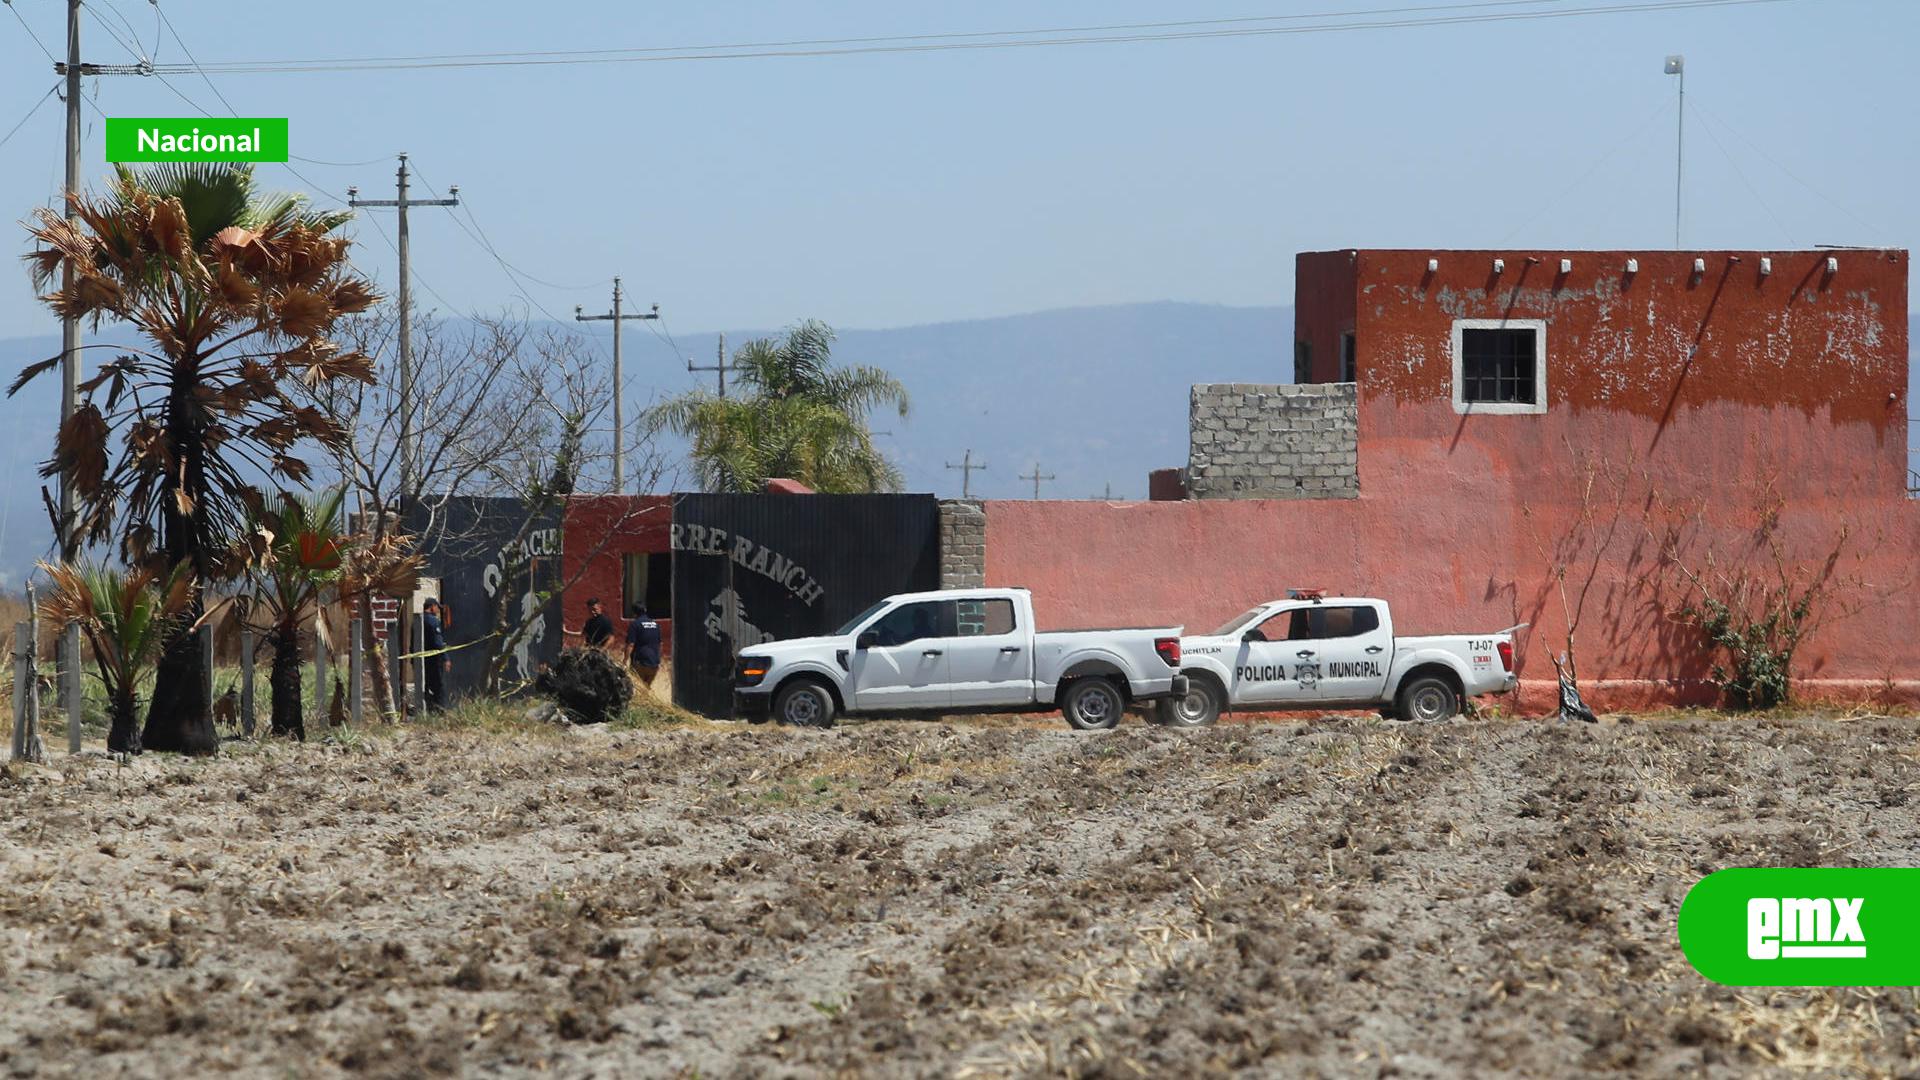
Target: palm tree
(303,553)
(801,418)
(125,617)
(235,293)
(379,564)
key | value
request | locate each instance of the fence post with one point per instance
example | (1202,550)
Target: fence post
(70,642)
(20,690)
(206,660)
(320,661)
(355,670)
(246,683)
(419,663)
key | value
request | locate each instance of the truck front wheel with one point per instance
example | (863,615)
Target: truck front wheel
(1092,704)
(1427,698)
(804,703)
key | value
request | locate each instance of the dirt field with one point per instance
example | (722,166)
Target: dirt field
(1345,897)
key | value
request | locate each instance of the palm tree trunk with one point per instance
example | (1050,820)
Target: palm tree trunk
(123,733)
(180,718)
(376,661)
(285,682)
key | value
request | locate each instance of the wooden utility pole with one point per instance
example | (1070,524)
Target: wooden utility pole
(402,203)
(619,382)
(967,469)
(1036,477)
(719,364)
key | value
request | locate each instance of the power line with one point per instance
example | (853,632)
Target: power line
(29,30)
(30,111)
(950,36)
(922,43)
(1603,159)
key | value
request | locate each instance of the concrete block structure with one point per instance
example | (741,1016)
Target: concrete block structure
(963,543)
(1285,441)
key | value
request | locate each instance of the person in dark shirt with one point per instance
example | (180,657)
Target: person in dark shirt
(599,628)
(643,644)
(433,639)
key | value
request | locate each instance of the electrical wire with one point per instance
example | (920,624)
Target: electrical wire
(132,50)
(920,44)
(29,30)
(34,108)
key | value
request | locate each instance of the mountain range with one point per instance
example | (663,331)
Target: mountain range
(1096,397)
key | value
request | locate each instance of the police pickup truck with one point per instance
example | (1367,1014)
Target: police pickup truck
(962,651)
(1312,651)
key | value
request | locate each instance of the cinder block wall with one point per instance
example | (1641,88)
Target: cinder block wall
(1280,441)
(963,543)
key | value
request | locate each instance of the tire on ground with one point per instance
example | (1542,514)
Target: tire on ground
(1092,703)
(1200,708)
(804,703)
(1427,698)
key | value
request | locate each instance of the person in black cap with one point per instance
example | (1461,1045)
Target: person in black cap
(434,639)
(643,644)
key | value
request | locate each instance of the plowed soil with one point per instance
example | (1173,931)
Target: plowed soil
(1344,897)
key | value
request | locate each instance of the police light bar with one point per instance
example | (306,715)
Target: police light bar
(1315,595)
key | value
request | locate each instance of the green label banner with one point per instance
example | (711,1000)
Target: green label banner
(1805,927)
(197,138)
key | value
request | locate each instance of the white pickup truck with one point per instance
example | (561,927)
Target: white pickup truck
(1309,651)
(958,650)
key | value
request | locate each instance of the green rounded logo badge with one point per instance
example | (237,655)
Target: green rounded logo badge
(1805,927)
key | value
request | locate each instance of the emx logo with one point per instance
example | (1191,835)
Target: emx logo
(1809,928)
(1805,927)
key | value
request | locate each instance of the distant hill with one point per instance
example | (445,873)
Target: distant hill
(1097,396)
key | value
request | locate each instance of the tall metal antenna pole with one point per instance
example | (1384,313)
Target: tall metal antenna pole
(1677,65)
(619,383)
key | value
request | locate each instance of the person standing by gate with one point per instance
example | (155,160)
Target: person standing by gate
(643,645)
(433,641)
(599,629)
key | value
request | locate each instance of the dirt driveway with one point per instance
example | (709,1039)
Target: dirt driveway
(1345,897)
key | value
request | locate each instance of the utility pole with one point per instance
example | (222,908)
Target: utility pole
(719,364)
(402,203)
(1677,65)
(967,469)
(70,324)
(619,382)
(1036,477)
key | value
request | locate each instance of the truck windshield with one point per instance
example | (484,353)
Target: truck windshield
(847,628)
(1239,621)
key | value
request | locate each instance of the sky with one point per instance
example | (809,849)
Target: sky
(895,189)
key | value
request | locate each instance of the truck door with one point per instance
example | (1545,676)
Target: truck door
(1273,668)
(1351,647)
(988,661)
(906,665)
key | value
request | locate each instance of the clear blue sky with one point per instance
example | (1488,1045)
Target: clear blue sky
(894,189)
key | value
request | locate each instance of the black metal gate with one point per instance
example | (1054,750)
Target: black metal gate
(499,571)
(753,568)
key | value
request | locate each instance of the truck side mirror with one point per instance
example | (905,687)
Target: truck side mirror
(867,640)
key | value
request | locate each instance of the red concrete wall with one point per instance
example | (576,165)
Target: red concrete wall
(597,533)
(1755,414)
(1323,299)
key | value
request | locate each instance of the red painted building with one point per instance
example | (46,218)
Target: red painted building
(617,548)
(1525,411)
